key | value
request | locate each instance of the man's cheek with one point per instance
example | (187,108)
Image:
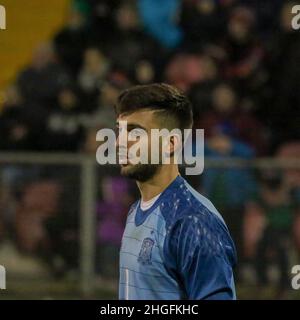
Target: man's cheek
(139,150)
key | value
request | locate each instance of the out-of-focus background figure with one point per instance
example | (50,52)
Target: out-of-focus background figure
(62,68)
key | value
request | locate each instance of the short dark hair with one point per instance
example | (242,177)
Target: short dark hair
(172,105)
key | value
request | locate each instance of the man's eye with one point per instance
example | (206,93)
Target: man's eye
(136,132)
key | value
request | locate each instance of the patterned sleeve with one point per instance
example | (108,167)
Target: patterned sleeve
(201,255)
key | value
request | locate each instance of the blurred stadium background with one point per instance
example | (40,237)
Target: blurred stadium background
(64,62)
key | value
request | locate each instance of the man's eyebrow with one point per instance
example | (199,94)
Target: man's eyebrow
(131,126)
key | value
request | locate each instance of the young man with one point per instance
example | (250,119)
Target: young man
(175,245)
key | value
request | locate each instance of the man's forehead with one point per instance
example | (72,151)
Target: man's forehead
(143,117)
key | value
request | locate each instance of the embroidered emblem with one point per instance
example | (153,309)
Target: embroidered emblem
(146,251)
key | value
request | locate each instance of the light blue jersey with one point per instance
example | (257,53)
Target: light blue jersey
(180,248)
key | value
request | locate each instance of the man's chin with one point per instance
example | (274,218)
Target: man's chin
(140,173)
(130,171)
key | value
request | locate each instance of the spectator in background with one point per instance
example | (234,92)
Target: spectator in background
(188,69)
(64,127)
(160,19)
(236,185)
(131,44)
(200,96)
(41,81)
(284,78)
(243,50)
(72,40)
(203,22)
(101,19)
(266,13)
(21,123)
(91,76)
(227,111)
(38,201)
(105,116)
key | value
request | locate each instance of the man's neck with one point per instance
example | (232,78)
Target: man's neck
(157,184)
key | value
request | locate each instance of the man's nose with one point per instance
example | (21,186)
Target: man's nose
(121,141)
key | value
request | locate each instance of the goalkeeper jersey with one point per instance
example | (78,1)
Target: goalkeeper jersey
(180,248)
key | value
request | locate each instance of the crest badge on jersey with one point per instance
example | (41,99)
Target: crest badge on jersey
(146,251)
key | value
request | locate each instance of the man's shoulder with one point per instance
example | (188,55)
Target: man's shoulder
(192,218)
(187,203)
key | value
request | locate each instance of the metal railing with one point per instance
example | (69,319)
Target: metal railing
(88,183)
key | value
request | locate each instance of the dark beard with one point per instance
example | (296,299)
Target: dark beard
(142,172)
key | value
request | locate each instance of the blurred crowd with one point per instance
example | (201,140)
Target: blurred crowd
(237,60)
